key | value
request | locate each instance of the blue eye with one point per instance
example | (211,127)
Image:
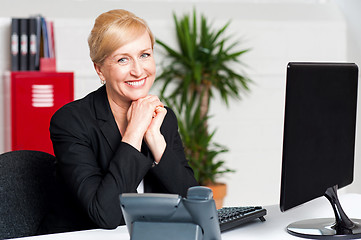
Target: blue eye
(145,55)
(122,60)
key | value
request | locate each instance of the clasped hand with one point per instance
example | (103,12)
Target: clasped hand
(145,117)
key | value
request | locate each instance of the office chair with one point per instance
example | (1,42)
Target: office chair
(27,179)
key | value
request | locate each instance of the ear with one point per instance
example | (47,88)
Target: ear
(98,69)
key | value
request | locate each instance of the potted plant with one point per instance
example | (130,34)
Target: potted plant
(189,77)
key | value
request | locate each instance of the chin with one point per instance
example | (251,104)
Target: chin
(136,97)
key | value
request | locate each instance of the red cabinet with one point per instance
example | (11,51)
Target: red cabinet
(31,99)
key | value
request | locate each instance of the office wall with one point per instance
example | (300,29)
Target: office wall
(277,32)
(351,10)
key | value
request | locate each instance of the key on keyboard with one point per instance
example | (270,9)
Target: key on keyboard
(230,217)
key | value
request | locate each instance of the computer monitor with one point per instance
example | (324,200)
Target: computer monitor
(319,143)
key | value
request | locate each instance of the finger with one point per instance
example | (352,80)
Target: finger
(160,113)
(154,99)
(159,109)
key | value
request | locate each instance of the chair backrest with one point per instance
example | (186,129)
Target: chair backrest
(27,179)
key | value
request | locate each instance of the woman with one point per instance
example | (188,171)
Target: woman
(110,141)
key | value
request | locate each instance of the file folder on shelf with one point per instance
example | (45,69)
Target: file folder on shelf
(15,44)
(31,39)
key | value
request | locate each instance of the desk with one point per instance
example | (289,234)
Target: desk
(272,228)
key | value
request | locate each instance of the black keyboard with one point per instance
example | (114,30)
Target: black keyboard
(231,217)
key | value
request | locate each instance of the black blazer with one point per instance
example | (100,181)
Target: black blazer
(96,166)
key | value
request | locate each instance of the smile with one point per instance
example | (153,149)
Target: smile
(136,83)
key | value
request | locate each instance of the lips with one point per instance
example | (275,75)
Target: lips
(137,83)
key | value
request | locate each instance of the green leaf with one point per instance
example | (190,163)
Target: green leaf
(198,67)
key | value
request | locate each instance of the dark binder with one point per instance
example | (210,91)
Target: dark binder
(15,44)
(44,39)
(38,42)
(24,41)
(33,46)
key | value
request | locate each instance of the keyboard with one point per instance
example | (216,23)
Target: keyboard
(231,217)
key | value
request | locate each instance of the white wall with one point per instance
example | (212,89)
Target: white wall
(277,31)
(351,10)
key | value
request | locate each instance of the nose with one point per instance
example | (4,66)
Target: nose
(136,69)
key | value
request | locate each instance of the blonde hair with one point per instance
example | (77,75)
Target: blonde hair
(112,30)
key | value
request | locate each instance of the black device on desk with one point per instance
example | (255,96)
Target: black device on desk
(319,144)
(169,216)
(232,217)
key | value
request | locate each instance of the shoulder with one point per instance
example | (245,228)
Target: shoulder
(80,107)
(70,111)
(75,115)
(170,121)
(170,114)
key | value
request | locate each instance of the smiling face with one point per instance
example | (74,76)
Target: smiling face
(129,71)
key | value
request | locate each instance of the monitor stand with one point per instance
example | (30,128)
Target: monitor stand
(341,227)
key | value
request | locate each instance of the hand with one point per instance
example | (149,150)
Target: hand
(140,116)
(153,136)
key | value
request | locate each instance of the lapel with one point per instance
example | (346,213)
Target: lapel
(106,119)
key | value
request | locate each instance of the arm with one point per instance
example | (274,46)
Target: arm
(145,117)
(173,170)
(91,170)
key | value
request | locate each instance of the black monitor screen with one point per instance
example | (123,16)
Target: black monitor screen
(319,130)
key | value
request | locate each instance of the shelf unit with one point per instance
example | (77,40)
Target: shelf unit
(31,98)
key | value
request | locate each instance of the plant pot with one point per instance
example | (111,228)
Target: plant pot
(219,192)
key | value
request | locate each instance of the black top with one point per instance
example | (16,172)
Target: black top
(95,166)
